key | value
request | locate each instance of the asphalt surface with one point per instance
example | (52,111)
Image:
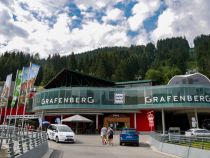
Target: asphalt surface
(90,146)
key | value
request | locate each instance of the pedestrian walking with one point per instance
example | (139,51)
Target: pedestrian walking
(110,134)
(104,135)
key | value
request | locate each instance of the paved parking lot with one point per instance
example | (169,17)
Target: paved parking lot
(90,146)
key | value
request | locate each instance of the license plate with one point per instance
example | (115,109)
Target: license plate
(129,137)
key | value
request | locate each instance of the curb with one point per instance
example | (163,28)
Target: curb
(48,153)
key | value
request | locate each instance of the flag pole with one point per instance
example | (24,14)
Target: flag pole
(24,108)
(18,100)
(13,95)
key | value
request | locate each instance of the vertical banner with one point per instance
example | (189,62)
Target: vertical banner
(30,76)
(5,91)
(33,72)
(28,79)
(16,91)
(5,96)
(23,88)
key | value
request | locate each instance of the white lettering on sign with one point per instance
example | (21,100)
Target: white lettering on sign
(119,98)
(168,99)
(70,100)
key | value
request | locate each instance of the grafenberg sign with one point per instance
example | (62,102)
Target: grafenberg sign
(174,99)
(68,100)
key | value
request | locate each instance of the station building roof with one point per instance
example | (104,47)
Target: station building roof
(195,78)
(69,78)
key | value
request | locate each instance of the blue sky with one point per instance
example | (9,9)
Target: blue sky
(66,26)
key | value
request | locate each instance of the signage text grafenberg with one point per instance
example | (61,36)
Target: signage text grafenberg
(68,100)
(169,99)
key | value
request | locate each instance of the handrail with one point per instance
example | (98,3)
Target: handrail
(190,141)
(18,141)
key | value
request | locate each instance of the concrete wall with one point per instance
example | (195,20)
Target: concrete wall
(36,152)
(178,150)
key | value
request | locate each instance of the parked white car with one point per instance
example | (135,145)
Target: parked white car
(60,133)
(197,132)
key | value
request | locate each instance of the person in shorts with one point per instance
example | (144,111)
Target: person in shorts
(110,134)
(104,135)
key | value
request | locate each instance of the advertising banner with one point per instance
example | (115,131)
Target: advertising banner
(5,91)
(16,91)
(28,79)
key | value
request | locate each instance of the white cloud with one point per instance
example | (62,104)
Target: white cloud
(164,24)
(142,38)
(83,5)
(113,14)
(47,27)
(61,37)
(94,35)
(141,11)
(8,28)
(183,18)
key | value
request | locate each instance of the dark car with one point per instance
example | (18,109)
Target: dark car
(129,136)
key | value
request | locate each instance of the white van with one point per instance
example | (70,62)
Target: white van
(60,133)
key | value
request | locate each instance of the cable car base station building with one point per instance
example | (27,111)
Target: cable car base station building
(143,105)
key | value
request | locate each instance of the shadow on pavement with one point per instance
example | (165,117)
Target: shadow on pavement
(145,145)
(56,154)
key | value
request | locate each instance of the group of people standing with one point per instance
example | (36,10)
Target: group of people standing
(107,135)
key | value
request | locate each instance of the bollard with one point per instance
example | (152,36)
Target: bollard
(1,142)
(37,139)
(40,138)
(28,143)
(32,139)
(20,142)
(11,148)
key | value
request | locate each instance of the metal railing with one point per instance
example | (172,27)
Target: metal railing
(190,141)
(17,141)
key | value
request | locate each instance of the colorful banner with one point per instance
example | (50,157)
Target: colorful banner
(5,91)
(25,77)
(16,91)
(34,69)
(28,79)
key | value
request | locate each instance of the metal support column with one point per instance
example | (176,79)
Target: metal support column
(134,120)
(196,118)
(96,121)
(163,121)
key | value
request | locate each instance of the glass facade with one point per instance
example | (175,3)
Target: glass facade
(168,96)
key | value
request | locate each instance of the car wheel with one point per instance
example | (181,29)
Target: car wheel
(137,144)
(56,139)
(120,143)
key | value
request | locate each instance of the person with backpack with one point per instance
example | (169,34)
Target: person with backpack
(110,134)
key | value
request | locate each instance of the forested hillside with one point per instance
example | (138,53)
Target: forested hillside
(171,56)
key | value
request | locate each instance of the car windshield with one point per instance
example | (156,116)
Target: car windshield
(64,129)
(130,131)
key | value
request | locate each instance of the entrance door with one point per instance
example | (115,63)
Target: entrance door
(117,122)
